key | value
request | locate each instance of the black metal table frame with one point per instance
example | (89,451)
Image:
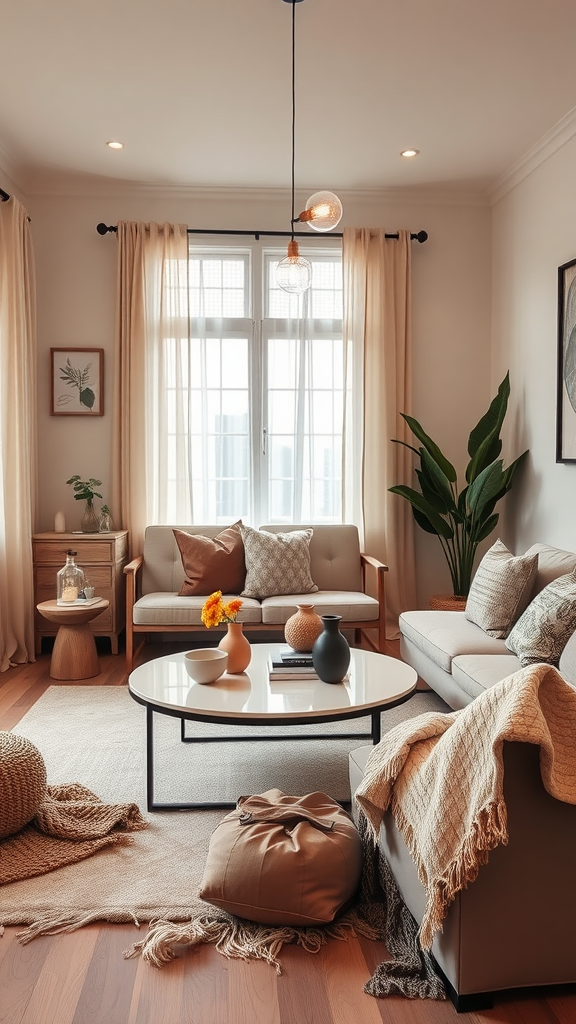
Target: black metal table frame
(373,713)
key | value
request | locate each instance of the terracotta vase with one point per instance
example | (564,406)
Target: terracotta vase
(237,648)
(303,628)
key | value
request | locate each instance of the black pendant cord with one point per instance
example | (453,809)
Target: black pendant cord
(293,108)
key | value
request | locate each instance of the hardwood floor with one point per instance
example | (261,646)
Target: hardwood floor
(82,978)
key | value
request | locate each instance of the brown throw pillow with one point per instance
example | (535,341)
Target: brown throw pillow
(212,563)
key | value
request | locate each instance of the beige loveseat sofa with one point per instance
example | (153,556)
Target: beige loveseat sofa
(350,583)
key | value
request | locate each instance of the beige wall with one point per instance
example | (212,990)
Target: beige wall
(76,271)
(534,232)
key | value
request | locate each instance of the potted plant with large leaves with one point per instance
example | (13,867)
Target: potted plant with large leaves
(461,519)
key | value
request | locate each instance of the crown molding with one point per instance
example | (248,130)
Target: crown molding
(86,186)
(558,136)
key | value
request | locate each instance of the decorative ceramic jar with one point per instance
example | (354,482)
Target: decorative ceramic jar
(237,648)
(59,523)
(70,581)
(331,653)
(303,628)
(89,521)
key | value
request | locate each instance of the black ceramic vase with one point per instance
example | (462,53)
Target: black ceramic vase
(331,653)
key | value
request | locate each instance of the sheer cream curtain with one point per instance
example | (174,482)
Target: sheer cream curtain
(377,332)
(17,434)
(151,261)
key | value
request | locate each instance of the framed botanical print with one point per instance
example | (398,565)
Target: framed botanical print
(566,390)
(77,381)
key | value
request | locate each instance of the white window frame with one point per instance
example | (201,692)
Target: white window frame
(257,326)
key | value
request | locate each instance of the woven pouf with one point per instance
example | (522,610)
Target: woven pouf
(22,782)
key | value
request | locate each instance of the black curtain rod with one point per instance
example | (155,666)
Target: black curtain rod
(416,236)
(4,196)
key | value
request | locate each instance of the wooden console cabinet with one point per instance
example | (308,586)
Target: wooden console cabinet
(102,556)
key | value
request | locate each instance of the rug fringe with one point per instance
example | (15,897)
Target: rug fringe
(238,939)
(70,923)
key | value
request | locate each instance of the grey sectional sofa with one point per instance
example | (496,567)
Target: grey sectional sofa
(513,927)
(351,584)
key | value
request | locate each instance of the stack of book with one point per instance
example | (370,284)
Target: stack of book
(286,663)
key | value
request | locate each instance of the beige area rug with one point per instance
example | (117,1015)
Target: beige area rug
(96,736)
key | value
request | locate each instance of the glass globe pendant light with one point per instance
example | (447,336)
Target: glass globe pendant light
(323,211)
(294,272)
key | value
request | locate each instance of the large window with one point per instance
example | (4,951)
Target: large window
(254,391)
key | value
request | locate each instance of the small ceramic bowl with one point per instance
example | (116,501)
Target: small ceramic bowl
(206,664)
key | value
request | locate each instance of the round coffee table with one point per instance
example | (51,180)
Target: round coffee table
(163,686)
(74,655)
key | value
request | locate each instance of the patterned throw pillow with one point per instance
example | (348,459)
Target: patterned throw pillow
(544,629)
(212,563)
(500,590)
(276,563)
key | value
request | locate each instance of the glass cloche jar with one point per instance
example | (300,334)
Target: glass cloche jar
(69,580)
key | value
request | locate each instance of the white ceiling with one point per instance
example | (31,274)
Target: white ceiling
(199,90)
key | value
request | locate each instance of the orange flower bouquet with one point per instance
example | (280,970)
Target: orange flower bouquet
(214,611)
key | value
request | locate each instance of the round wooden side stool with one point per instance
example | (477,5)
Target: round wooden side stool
(74,655)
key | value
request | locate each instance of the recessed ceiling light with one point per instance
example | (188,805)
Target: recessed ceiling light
(115,145)
(409,152)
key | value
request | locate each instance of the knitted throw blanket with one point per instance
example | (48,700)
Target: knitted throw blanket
(72,824)
(442,776)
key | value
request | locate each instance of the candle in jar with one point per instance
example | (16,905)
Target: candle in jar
(69,593)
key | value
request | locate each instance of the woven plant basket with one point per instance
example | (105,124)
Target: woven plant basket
(447,602)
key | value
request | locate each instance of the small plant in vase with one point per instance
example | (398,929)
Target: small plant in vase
(84,490)
(216,612)
(105,524)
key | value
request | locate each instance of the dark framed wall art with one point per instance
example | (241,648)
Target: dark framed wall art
(566,391)
(77,381)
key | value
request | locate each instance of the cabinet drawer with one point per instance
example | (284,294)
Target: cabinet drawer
(54,552)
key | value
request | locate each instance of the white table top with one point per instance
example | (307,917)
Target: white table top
(375,680)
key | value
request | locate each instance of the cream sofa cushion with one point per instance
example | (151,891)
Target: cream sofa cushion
(501,589)
(552,563)
(442,636)
(351,606)
(334,554)
(161,609)
(478,672)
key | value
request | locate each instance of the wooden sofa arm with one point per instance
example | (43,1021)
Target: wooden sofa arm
(374,562)
(131,571)
(374,565)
